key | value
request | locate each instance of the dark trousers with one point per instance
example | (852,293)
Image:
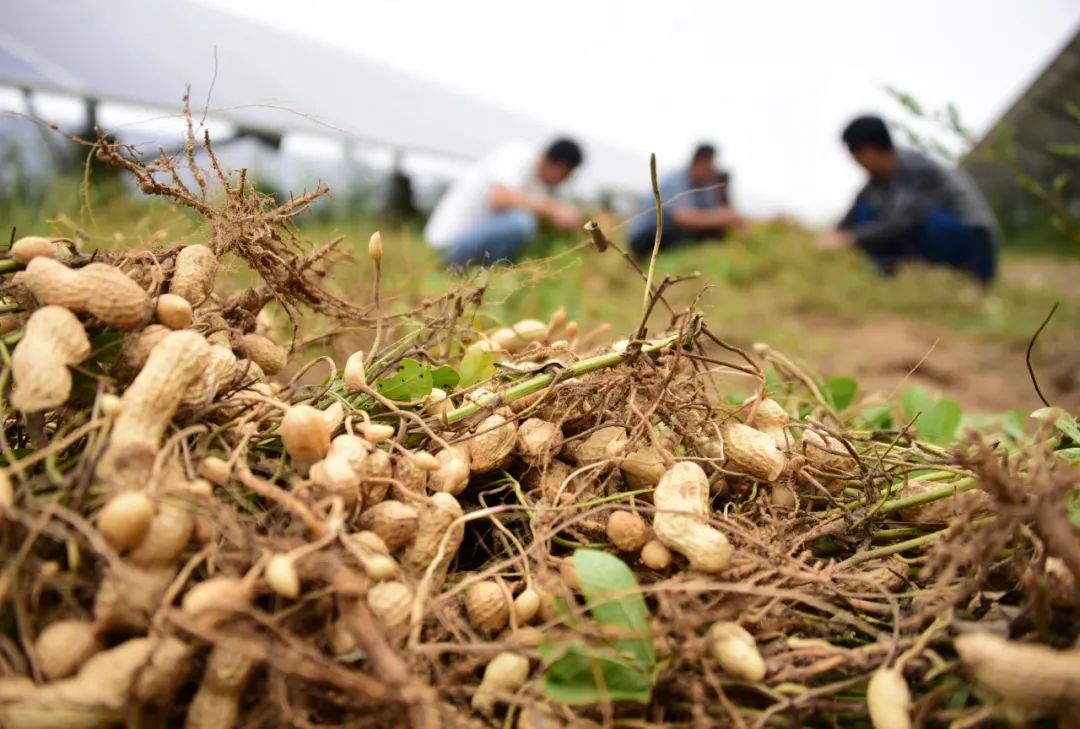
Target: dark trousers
(641,243)
(942,239)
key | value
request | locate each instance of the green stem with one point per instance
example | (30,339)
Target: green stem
(897,533)
(534,384)
(9,264)
(964,484)
(904,546)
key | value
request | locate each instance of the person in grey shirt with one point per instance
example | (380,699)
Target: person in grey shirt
(697,206)
(914,208)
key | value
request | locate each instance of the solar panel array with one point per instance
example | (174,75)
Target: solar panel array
(146,51)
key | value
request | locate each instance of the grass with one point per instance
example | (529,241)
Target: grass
(766,284)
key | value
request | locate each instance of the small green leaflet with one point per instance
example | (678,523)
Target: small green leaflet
(938,419)
(1064,422)
(571,676)
(476,366)
(877,416)
(840,392)
(625,664)
(412,382)
(445,377)
(614,598)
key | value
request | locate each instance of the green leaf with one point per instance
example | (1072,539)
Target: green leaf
(623,667)
(1064,150)
(878,416)
(840,392)
(1072,455)
(916,400)
(614,600)
(411,382)
(1012,424)
(1061,419)
(476,366)
(940,423)
(571,678)
(445,377)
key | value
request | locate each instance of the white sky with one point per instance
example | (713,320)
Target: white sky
(772,81)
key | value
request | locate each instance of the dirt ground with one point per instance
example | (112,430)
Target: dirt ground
(982,376)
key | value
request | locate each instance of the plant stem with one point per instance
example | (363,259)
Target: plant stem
(659,234)
(904,546)
(964,484)
(9,264)
(533,384)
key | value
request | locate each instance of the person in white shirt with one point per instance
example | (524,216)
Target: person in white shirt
(491,212)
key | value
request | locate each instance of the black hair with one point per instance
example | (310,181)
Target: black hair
(566,151)
(867,131)
(703,151)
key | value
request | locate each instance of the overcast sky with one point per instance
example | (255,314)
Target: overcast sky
(771,81)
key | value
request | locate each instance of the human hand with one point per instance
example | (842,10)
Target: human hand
(835,240)
(564,216)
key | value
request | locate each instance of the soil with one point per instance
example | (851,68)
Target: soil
(983,376)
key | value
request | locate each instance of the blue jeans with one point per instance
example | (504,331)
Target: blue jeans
(943,239)
(499,237)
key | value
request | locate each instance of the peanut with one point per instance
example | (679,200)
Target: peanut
(126,599)
(1027,677)
(149,404)
(394,522)
(504,674)
(754,452)
(682,504)
(487,606)
(603,444)
(436,517)
(53,340)
(452,475)
(770,419)
(493,447)
(64,646)
(98,696)
(125,520)
(627,531)
(736,651)
(173,311)
(30,247)
(305,436)
(354,373)
(538,441)
(217,703)
(888,700)
(391,602)
(526,606)
(282,576)
(644,467)
(655,555)
(269,355)
(193,277)
(98,289)
(168,536)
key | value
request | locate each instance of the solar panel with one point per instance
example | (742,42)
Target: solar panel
(145,53)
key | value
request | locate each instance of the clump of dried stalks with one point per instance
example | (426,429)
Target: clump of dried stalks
(283,584)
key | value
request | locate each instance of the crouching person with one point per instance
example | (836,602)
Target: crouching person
(493,210)
(913,208)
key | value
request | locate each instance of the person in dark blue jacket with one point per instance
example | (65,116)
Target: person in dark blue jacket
(912,207)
